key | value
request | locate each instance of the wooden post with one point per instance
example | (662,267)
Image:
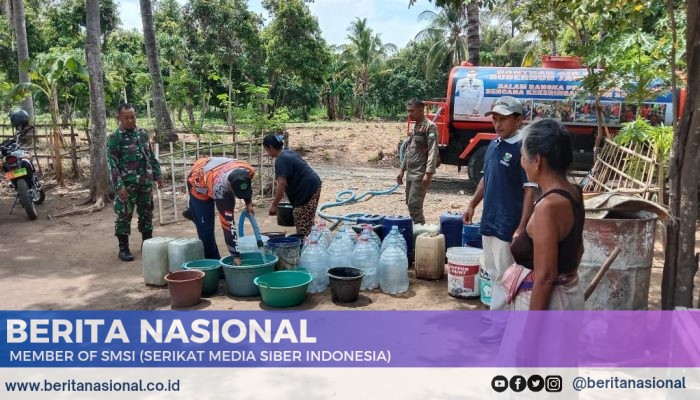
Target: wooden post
(172,175)
(158,196)
(262,170)
(196,152)
(184,168)
(210,148)
(74,153)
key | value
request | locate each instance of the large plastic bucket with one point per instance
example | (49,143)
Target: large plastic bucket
(239,278)
(287,249)
(283,288)
(211,274)
(285,217)
(345,283)
(463,265)
(185,288)
(249,244)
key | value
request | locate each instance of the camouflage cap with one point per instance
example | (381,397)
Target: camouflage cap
(506,105)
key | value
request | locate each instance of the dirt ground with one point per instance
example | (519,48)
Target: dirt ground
(71,262)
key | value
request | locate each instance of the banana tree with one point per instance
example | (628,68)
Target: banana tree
(45,80)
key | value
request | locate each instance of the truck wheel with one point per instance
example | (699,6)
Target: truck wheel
(25,198)
(475,165)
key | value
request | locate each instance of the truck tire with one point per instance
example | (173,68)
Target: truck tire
(25,198)
(475,165)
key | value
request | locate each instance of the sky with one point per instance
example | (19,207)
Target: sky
(392,19)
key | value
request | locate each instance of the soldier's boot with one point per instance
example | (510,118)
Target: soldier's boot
(145,236)
(124,252)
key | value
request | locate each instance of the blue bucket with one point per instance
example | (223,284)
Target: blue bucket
(287,249)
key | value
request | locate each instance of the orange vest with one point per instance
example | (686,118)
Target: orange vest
(203,177)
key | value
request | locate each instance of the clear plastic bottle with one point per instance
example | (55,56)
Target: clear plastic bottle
(349,232)
(399,238)
(365,256)
(372,236)
(326,235)
(393,268)
(340,250)
(314,259)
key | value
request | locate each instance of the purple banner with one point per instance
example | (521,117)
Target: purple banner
(349,339)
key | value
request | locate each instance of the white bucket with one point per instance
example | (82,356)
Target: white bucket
(249,244)
(463,264)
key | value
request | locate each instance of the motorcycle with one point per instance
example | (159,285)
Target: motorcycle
(18,169)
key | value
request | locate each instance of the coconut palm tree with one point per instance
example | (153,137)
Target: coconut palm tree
(98,114)
(20,31)
(365,56)
(164,123)
(469,9)
(446,33)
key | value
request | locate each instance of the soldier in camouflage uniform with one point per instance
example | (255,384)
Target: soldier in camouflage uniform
(420,160)
(133,168)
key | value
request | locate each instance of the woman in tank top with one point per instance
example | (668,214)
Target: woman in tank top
(547,255)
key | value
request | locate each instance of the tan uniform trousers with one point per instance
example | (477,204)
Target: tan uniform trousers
(415,196)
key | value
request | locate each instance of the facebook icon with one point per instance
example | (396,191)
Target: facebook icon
(517,383)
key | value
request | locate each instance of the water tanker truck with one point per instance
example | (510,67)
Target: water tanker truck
(464,132)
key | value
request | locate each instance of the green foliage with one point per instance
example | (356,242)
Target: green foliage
(64,22)
(255,113)
(297,56)
(640,131)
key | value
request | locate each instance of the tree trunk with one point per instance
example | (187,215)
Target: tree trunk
(99,181)
(56,136)
(473,39)
(164,124)
(681,265)
(22,50)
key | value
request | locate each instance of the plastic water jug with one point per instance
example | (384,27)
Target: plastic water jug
(314,260)
(183,250)
(419,229)
(430,256)
(394,233)
(393,268)
(451,226)
(372,236)
(340,250)
(155,260)
(365,256)
(326,236)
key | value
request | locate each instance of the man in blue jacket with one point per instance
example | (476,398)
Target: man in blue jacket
(508,201)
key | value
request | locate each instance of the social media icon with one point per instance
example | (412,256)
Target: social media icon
(499,383)
(535,383)
(552,383)
(517,383)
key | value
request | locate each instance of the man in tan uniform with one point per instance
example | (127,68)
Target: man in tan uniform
(419,161)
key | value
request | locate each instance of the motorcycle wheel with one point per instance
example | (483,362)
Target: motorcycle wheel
(25,198)
(39,196)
